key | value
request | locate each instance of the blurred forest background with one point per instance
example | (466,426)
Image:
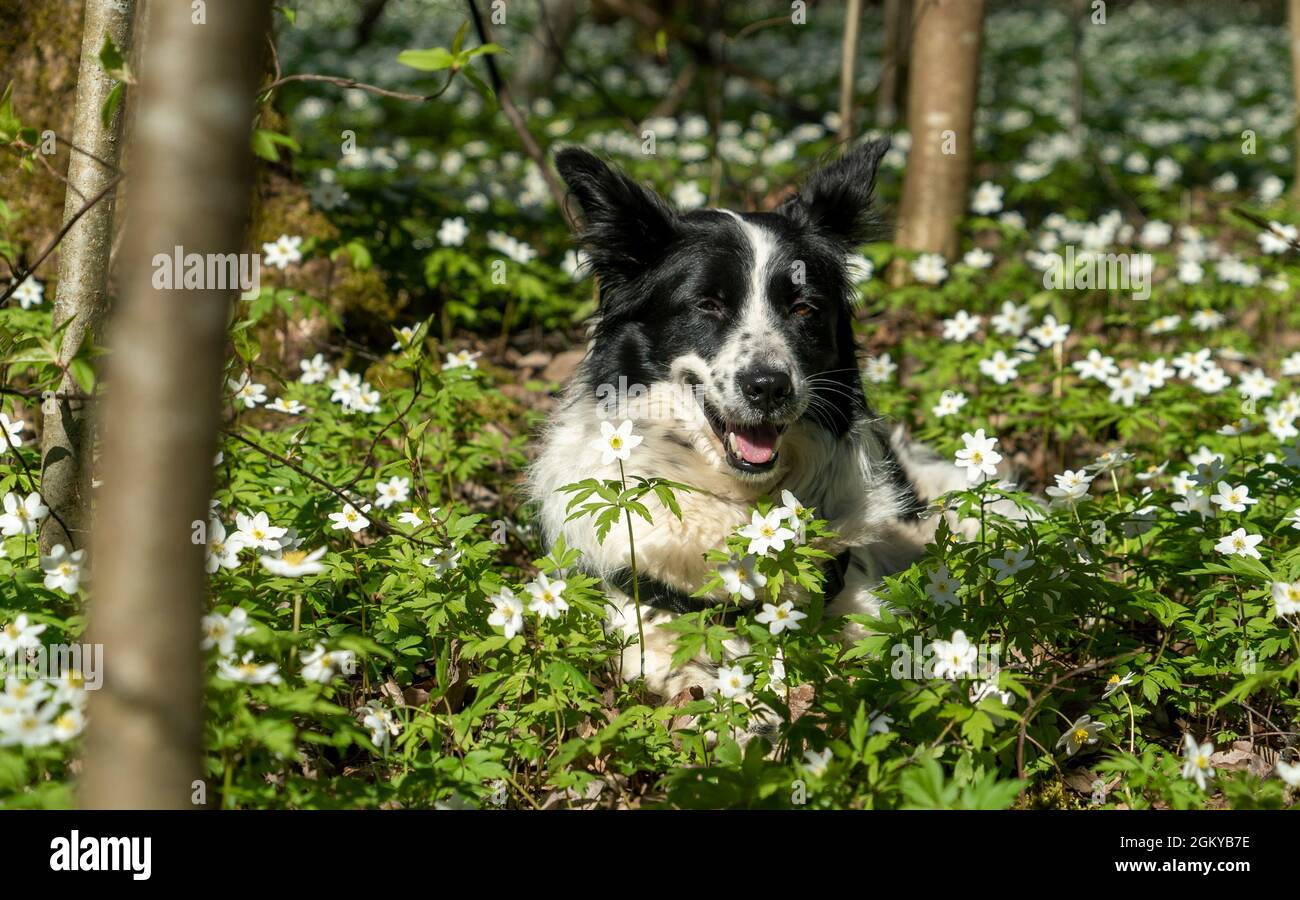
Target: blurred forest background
(758,100)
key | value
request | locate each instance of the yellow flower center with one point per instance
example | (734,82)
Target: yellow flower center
(1202,761)
(616,442)
(294,557)
(1081,735)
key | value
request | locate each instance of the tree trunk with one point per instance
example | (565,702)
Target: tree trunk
(941,118)
(371,13)
(1079,21)
(893,62)
(1293,24)
(848,67)
(716,16)
(82,293)
(192,177)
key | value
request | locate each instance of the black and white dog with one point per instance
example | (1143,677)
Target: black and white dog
(747,316)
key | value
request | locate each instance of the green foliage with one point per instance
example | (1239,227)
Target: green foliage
(265,143)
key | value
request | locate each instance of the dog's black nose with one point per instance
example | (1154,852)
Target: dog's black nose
(765,388)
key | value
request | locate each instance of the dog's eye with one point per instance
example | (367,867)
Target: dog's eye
(802,308)
(712,306)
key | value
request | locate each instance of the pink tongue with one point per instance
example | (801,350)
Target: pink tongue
(756,444)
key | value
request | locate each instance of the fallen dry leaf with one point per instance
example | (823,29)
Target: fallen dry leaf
(390,690)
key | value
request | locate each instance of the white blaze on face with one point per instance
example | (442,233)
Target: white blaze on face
(756,337)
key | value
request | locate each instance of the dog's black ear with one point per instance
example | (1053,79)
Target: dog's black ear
(626,227)
(836,199)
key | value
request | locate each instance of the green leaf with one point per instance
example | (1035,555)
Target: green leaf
(83,372)
(13,770)
(111,103)
(668,499)
(9,123)
(110,57)
(459,40)
(481,86)
(976,728)
(357,252)
(688,647)
(265,143)
(990,793)
(480,50)
(923,787)
(432,60)
(114,62)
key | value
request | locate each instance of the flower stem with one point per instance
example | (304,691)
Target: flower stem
(982,500)
(636,581)
(226,778)
(1131,729)
(983,599)
(1058,357)
(297,620)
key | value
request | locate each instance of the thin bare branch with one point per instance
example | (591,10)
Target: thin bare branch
(361,86)
(516,119)
(58,238)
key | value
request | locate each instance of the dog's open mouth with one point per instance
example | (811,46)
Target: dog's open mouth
(749,448)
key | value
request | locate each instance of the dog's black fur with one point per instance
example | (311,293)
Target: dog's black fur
(656,266)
